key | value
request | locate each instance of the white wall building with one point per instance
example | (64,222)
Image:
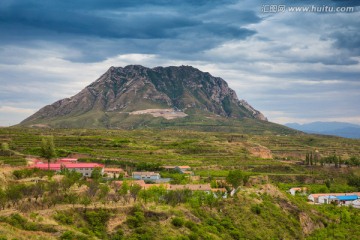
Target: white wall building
(146,176)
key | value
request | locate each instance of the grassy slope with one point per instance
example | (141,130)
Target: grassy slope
(197,121)
(254,214)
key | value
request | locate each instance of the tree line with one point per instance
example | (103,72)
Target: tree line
(313,159)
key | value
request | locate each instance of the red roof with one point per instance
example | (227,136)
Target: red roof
(184,167)
(45,166)
(115,170)
(57,166)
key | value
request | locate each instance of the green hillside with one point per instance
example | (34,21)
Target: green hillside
(70,208)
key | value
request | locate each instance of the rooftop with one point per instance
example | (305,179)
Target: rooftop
(146,173)
(347,198)
(315,195)
(184,167)
(57,166)
(116,170)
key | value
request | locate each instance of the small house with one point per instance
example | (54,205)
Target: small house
(85,169)
(295,190)
(150,176)
(326,199)
(322,198)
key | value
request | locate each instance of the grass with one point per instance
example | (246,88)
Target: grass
(254,213)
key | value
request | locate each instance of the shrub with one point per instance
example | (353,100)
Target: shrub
(177,222)
(193,236)
(235,234)
(119,235)
(256,209)
(136,220)
(97,221)
(64,218)
(69,235)
(191,225)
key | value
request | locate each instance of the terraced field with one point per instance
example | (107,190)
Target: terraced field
(202,150)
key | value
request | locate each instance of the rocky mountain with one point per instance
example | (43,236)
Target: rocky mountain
(125,97)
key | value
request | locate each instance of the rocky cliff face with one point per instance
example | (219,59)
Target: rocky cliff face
(132,88)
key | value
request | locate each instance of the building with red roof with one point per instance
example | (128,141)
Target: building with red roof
(84,168)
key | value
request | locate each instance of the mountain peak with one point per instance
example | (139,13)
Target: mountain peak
(134,88)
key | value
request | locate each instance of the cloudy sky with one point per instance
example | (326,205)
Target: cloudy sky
(292,66)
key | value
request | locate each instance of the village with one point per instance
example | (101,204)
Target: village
(144,179)
(342,199)
(148,179)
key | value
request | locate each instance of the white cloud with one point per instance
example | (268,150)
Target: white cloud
(9,109)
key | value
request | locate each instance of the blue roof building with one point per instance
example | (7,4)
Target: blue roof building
(347,198)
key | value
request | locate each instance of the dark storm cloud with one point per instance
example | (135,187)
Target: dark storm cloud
(87,23)
(349,39)
(124,24)
(291,62)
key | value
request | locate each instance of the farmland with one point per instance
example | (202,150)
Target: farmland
(70,208)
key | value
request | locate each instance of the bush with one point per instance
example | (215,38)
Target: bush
(177,222)
(135,221)
(191,225)
(69,235)
(97,221)
(20,222)
(119,235)
(193,236)
(256,209)
(235,234)
(64,218)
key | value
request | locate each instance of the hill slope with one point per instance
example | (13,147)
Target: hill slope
(136,96)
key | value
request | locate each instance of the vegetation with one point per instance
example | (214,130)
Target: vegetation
(67,206)
(48,149)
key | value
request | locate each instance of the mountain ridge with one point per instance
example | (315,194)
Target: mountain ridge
(111,101)
(341,129)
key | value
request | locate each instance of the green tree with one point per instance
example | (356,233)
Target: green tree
(134,191)
(5,146)
(70,178)
(96,174)
(145,195)
(235,178)
(3,199)
(307,159)
(354,181)
(86,201)
(48,149)
(103,193)
(328,183)
(123,191)
(14,193)
(72,198)
(157,193)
